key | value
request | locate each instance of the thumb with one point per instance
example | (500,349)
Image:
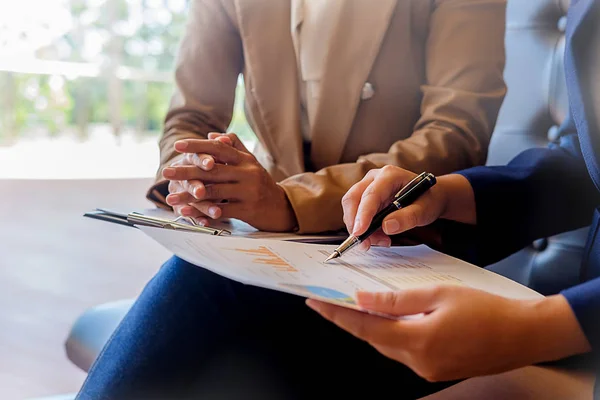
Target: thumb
(406,302)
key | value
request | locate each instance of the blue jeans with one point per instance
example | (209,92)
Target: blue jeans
(194,334)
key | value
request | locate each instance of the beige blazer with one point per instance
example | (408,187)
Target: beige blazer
(417,83)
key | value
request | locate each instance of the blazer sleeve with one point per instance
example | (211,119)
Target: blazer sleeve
(462,95)
(584,300)
(540,193)
(208,64)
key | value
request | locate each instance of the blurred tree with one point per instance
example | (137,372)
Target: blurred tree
(141,35)
(8,108)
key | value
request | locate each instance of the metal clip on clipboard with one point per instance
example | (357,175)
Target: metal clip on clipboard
(135,218)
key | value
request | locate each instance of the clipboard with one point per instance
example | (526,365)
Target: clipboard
(133,219)
(160,218)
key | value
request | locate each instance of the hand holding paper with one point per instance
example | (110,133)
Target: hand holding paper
(465,332)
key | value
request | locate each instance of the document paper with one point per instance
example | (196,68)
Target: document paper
(242,229)
(299,268)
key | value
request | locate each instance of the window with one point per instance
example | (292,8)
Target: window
(88,81)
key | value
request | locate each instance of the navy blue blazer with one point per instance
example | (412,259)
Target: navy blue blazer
(547,191)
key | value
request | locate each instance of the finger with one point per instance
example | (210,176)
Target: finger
(377,239)
(208,208)
(189,211)
(217,192)
(193,213)
(236,142)
(233,209)
(220,137)
(223,152)
(196,188)
(179,198)
(203,161)
(370,328)
(380,239)
(178,161)
(202,221)
(365,245)
(402,303)
(405,219)
(379,192)
(219,173)
(351,200)
(175,187)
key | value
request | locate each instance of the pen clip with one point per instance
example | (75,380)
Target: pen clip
(411,184)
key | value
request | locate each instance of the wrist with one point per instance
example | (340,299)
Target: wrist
(552,329)
(457,199)
(290,222)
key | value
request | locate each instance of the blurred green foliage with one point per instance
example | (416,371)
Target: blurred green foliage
(140,34)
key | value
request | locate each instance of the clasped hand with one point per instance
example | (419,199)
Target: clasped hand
(220,178)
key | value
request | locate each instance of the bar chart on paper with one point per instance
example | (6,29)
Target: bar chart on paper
(263,256)
(299,268)
(416,280)
(398,273)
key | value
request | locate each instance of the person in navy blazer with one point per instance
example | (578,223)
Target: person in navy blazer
(500,210)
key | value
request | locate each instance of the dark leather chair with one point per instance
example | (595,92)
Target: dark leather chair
(534,107)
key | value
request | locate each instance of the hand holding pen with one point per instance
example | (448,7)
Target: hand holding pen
(368,199)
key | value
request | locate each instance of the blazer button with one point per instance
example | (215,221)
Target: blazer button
(367,91)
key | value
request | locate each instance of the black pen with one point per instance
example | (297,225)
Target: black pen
(406,196)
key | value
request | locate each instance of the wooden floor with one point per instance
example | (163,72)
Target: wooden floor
(54,264)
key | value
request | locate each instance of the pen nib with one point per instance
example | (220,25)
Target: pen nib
(333,255)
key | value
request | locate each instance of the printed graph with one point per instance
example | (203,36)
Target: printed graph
(264,256)
(403,275)
(320,291)
(416,280)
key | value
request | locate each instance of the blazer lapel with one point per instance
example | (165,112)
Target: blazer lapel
(354,47)
(270,67)
(577,68)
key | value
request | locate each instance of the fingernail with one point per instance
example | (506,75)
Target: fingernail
(173,199)
(168,172)
(197,192)
(213,211)
(391,226)
(205,162)
(182,145)
(186,211)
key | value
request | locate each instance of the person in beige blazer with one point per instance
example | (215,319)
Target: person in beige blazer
(333,89)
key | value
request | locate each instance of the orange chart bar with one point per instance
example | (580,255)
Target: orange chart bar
(264,256)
